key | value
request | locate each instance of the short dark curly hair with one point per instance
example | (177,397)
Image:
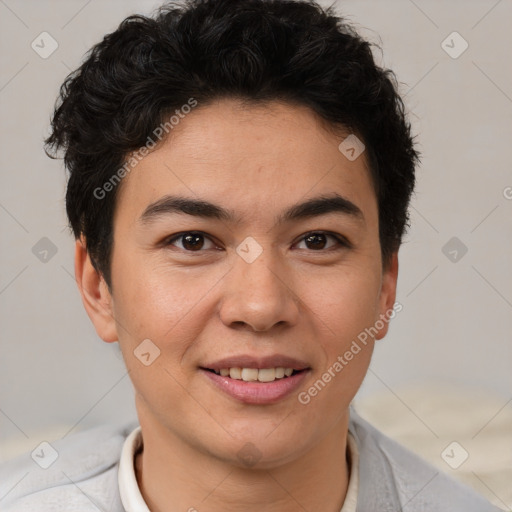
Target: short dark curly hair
(254,50)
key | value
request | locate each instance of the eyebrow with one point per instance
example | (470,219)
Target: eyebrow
(314,207)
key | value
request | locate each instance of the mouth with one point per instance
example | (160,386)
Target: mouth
(256,386)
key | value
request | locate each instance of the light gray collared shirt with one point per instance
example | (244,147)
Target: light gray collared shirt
(94,471)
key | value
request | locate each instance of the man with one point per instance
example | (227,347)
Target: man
(240,173)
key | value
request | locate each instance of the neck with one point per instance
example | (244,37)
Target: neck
(172,475)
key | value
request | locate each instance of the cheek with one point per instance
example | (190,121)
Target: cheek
(344,306)
(345,309)
(152,301)
(163,306)
(346,300)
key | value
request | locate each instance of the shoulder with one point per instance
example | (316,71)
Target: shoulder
(79,470)
(392,478)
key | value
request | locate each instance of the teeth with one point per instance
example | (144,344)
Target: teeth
(266,375)
(249,374)
(235,373)
(255,374)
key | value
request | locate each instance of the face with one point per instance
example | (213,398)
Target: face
(261,277)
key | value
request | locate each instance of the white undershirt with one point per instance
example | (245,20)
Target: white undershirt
(133,501)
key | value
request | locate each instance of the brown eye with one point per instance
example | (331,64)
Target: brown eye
(191,241)
(318,241)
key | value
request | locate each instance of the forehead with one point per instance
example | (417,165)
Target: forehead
(256,157)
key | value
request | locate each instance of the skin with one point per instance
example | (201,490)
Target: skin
(294,299)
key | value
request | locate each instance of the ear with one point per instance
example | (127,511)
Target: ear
(387,296)
(95,294)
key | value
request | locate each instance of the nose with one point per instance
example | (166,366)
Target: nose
(259,295)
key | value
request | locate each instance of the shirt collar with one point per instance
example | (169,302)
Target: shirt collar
(131,496)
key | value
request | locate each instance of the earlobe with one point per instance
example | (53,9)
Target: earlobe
(95,294)
(387,296)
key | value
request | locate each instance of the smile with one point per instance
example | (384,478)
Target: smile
(256,386)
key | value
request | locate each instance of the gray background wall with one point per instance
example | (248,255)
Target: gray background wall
(57,377)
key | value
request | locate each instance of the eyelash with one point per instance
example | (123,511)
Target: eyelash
(342,241)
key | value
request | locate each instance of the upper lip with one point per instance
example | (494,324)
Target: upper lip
(248,361)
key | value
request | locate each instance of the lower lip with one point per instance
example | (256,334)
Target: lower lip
(257,392)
